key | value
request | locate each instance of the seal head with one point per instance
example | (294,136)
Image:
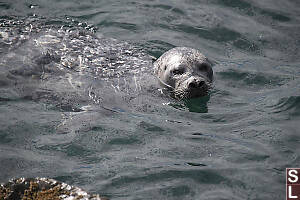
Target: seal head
(185,71)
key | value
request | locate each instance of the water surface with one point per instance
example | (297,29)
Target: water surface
(234,144)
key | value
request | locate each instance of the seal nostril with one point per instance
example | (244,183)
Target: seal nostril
(201,83)
(195,84)
(192,85)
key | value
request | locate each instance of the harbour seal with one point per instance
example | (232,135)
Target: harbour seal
(70,59)
(185,71)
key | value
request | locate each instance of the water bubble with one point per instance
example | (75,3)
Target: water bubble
(33,6)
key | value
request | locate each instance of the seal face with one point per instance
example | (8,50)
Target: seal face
(185,71)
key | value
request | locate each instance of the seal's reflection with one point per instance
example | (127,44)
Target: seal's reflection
(198,105)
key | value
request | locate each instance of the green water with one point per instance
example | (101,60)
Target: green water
(233,144)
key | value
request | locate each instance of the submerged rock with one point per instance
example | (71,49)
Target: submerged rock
(42,189)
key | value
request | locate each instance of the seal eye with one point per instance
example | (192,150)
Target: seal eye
(203,67)
(178,71)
